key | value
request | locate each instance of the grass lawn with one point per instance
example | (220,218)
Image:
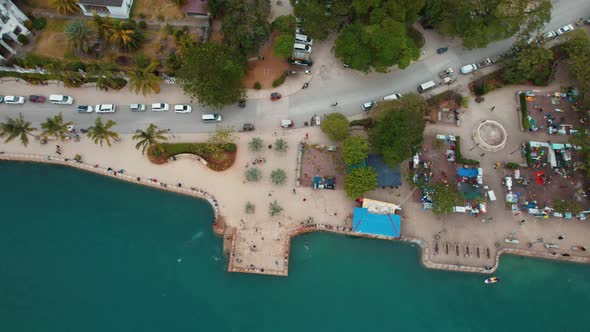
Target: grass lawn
(52,41)
(155,9)
(43,4)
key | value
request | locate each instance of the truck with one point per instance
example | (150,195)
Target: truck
(446,73)
(484,63)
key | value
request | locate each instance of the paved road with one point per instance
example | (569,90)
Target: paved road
(333,84)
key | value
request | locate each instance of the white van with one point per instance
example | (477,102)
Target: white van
(211,117)
(302,47)
(61,99)
(300,38)
(426,86)
(105,108)
(394,96)
(160,107)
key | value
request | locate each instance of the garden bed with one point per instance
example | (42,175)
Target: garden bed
(219,162)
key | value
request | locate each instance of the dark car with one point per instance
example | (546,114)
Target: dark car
(36,99)
(248,127)
(275,96)
(242,103)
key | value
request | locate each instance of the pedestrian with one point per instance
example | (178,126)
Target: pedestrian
(561,237)
(294,192)
(522,222)
(304,199)
(483,154)
(270,146)
(493,108)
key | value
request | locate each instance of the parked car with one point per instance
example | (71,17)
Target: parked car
(446,73)
(484,63)
(36,99)
(307,63)
(160,107)
(496,58)
(368,105)
(549,35)
(84,109)
(565,29)
(467,69)
(287,124)
(248,127)
(1,99)
(14,100)
(105,108)
(137,107)
(61,99)
(275,96)
(183,108)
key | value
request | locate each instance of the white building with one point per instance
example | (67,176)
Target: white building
(112,8)
(11,25)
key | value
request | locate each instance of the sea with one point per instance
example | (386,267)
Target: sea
(82,252)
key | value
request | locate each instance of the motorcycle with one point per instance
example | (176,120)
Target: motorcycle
(305,85)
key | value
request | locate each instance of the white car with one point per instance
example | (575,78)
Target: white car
(565,29)
(183,108)
(61,99)
(368,105)
(160,107)
(14,100)
(105,108)
(549,35)
(467,69)
(137,107)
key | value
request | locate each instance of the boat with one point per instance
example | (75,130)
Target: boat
(492,280)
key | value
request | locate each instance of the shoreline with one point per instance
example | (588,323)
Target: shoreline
(220,228)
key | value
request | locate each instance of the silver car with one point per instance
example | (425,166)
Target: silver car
(14,100)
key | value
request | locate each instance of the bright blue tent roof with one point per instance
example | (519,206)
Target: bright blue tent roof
(386,176)
(376,224)
(467,172)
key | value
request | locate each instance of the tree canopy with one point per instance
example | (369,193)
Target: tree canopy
(398,131)
(355,149)
(359,181)
(213,74)
(336,126)
(531,63)
(245,26)
(482,22)
(444,197)
(578,49)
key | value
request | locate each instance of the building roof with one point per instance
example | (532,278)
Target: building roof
(111,3)
(386,176)
(196,7)
(365,222)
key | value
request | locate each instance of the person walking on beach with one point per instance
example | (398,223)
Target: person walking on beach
(493,108)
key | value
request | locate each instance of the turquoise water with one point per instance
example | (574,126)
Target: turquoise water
(80,252)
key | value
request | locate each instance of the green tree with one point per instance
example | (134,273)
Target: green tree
(444,198)
(285,24)
(281,145)
(578,49)
(151,139)
(532,62)
(144,79)
(563,206)
(65,7)
(379,46)
(125,35)
(315,22)
(355,149)
(255,144)
(102,132)
(336,126)
(398,131)
(253,174)
(482,22)
(81,36)
(56,127)
(70,77)
(219,140)
(245,26)
(14,128)
(581,140)
(278,176)
(284,45)
(359,181)
(250,208)
(274,208)
(103,25)
(105,75)
(213,74)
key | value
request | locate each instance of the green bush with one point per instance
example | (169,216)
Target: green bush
(512,166)
(527,152)
(22,39)
(367,123)
(39,23)
(416,36)
(142,60)
(459,157)
(524,112)
(279,80)
(257,86)
(230,147)
(142,25)
(168,29)
(141,15)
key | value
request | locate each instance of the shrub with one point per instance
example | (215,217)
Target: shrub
(367,122)
(527,152)
(274,208)
(28,24)
(563,206)
(279,80)
(39,23)
(255,144)
(168,29)
(250,208)
(524,112)
(512,166)
(459,157)
(253,174)
(278,176)
(142,60)
(141,15)
(257,86)
(230,147)
(142,25)
(281,145)
(161,18)
(22,39)
(416,36)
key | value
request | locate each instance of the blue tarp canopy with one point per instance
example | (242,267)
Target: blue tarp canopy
(386,176)
(376,224)
(467,172)
(323,183)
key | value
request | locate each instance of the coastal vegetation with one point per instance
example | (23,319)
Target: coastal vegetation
(150,140)
(144,79)
(253,174)
(274,208)
(56,127)
(223,159)
(281,145)
(16,127)
(359,181)
(255,144)
(336,126)
(278,176)
(101,132)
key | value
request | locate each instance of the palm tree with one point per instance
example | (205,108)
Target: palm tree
(150,139)
(103,25)
(125,35)
(16,128)
(101,132)
(69,77)
(281,145)
(278,176)
(144,79)
(56,127)
(255,144)
(105,75)
(65,6)
(81,35)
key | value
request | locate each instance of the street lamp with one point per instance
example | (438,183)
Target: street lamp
(170,131)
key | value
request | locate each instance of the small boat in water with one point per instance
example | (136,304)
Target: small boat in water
(492,280)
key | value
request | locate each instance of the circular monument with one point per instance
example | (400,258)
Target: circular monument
(490,135)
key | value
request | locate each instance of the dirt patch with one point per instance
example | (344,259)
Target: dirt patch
(52,41)
(156,10)
(319,161)
(266,70)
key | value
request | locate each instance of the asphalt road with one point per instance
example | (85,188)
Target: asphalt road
(333,84)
